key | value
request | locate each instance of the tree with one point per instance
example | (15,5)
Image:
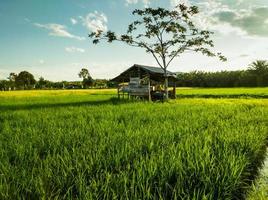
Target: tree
(4,85)
(84,73)
(42,83)
(87,79)
(164,34)
(259,69)
(12,78)
(25,80)
(100,83)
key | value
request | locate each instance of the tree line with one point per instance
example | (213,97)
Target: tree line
(255,76)
(26,81)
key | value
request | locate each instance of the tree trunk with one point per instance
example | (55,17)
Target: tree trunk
(166,84)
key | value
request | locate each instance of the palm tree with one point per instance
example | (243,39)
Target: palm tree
(259,69)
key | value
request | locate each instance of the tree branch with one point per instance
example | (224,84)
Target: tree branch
(175,55)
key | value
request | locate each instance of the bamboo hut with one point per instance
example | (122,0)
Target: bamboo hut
(145,82)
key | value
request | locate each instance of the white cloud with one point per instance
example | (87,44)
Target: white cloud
(73,21)
(243,18)
(131,2)
(251,22)
(58,30)
(95,21)
(74,49)
(41,61)
(227,29)
(174,3)
(207,19)
(145,2)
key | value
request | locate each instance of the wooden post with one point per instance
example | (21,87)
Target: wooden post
(123,88)
(149,87)
(174,90)
(118,92)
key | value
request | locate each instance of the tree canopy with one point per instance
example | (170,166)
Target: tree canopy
(84,73)
(255,76)
(87,79)
(25,79)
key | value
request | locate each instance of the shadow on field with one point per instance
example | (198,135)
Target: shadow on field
(32,106)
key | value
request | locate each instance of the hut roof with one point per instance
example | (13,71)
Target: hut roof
(155,73)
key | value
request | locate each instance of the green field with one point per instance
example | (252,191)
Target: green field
(223,92)
(86,144)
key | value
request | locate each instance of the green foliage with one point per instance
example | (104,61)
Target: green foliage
(25,80)
(4,85)
(259,69)
(260,189)
(88,82)
(12,79)
(42,83)
(255,76)
(67,145)
(87,79)
(100,83)
(84,73)
(10,84)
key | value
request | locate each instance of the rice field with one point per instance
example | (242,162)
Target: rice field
(85,144)
(223,92)
(259,190)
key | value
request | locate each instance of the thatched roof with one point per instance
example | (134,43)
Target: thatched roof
(155,73)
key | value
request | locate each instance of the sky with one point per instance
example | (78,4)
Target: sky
(50,38)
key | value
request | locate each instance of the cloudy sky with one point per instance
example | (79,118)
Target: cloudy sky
(49,38)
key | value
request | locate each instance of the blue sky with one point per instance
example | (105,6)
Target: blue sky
(49,38)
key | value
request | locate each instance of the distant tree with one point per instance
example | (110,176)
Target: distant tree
(12,78)
(255,76)
(259,68)
(84,73)
(88,82)
(25,80)
(87,79)
(4,85)
(42,83)
(111,84)
(100,83)
(247,79)
(58,85)
(165,34)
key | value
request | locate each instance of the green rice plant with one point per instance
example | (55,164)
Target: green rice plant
(90,146)
(223,92)
(259,190)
